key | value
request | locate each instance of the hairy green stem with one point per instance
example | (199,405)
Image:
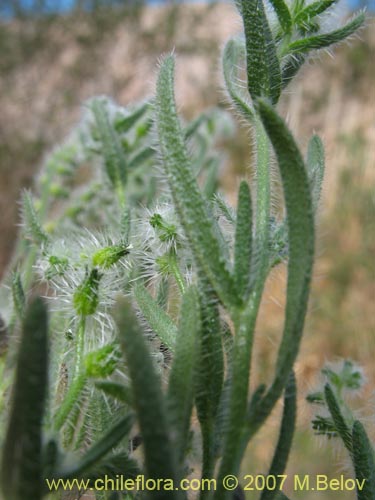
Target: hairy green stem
(78,380)
(176,271)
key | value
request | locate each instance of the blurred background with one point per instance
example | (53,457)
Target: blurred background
(55,54)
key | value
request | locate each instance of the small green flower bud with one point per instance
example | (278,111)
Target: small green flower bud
(86,296)
(103,362)
(164,264)
(348,377)
(57,266)
(108,256)
(167,232)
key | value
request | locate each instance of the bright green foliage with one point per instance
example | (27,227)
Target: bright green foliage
(196,269)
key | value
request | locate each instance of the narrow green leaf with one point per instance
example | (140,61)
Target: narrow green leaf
(211,181)
(224,209)
(284,444)
(243,239)
(141,157)
(315,166)
(22,461)
(181,379)
(341,425)
(233,55)
(193,126)
(148,400)
(263,67)
(156,317)
(283,14)
(18,294)
(364,463)
(125,123)
(112,151)
(301,250)
(110,440)
(117,391)
(291,67)
(326,39)
(210,371)
(31,221)
(312,10)
(188,200)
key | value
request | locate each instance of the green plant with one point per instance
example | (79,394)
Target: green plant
(103,225)
(341,422)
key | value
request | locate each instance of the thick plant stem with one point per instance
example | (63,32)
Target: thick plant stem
(78,379)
